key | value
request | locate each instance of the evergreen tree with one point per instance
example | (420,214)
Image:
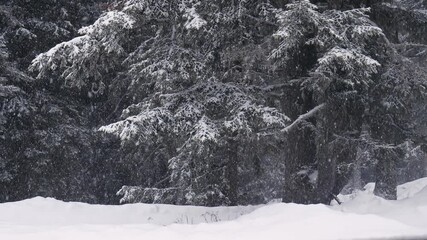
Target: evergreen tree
(338,55)
(44,142)
(209,102)
(193,108)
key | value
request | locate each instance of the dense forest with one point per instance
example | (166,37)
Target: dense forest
(211,102)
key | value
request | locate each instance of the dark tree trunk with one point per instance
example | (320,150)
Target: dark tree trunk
(232,173)
(386,173)
(326,164)
(301,153)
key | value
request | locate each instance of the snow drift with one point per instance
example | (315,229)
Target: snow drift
(361,216)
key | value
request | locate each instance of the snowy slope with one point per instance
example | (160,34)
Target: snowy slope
(361,216)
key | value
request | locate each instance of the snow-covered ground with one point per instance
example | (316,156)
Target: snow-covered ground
(361,216)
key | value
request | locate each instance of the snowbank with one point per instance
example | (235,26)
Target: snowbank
(48,211)
(410,208)
(361,216)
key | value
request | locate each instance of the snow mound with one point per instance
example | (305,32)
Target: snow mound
(409,189)
(361,216)
(48,211)
(410,208)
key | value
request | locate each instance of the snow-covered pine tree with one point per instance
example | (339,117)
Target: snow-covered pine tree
(193,125)
(197,93)
(396,105)
(206,116)
(43,139)
(337,54)
(397,119)
(14,115)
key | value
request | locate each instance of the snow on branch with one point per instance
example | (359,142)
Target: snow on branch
(146,125)
(194,21)
(205,130)
(348,60)
(83,60)
(304,116)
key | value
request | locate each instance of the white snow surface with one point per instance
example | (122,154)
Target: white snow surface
(361,216)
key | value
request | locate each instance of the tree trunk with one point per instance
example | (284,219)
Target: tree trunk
(232,173)
(301,153)
(326,165)
(386,184)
